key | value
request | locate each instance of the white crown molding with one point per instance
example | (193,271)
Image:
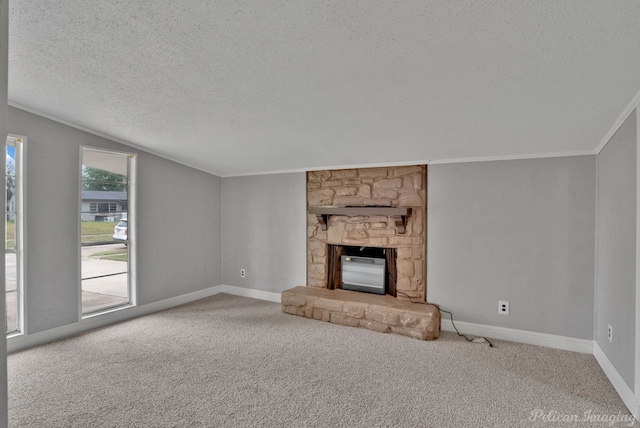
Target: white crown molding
(621,387)
(513,157)
(521,336)
(635,102)
(422,162)
(275,172)
(333,167)
(319,168)
(107,136)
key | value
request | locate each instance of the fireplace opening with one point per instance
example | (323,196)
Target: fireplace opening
(366,274)
(364,269)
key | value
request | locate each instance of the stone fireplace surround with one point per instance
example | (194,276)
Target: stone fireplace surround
(371,189)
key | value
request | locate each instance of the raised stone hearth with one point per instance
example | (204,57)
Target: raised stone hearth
(384,314)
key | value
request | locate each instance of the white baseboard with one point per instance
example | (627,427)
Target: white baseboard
(20,342)
(621,387)
(24,341)
(249,292)
(521,336)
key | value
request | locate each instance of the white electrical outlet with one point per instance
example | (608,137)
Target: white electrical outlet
(610,333)
(503,307)
(243,273)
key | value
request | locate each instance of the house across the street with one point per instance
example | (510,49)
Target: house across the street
(99,205)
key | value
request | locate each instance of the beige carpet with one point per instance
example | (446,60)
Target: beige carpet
(238,362)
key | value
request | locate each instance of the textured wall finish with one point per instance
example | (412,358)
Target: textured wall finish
(521,231)
(236,87)
(391,187)
(264,224)
(179,226)
(616,275)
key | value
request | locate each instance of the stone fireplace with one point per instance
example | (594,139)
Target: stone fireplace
(386,209)
(367,209)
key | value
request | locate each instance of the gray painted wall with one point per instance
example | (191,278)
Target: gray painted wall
(179,229)
(179,222)
(616,261)
(264,223)
(521,231)
(516,230)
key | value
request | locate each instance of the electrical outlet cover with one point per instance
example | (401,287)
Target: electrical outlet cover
(503,307)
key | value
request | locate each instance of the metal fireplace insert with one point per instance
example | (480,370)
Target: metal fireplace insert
(365,274)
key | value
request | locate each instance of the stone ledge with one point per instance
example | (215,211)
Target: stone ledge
(385,314)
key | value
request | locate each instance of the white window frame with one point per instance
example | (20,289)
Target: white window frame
(131,233)
(19,142)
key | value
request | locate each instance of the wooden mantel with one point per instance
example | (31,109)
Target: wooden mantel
(399,214)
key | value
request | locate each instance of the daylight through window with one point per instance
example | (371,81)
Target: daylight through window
(13,248)
(106,250)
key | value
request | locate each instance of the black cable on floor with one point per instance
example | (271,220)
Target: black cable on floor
(450,316)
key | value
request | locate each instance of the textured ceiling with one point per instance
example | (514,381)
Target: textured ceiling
(235,87)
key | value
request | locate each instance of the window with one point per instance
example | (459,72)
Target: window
(13,248)
(107,245)
(104,207)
